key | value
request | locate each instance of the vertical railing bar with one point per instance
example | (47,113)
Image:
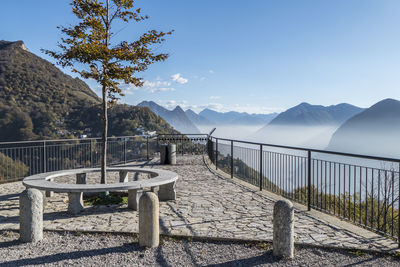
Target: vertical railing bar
(232,159)
(147,148)
(379,199)
(372,198)
(326,193)
(349,210)
(393,203)
(366,197)
(44,157)
(216,153)
(309,180)
(398,213)
(261,167)
(354,193)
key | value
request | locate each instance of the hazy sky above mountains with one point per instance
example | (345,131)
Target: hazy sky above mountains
(255,56)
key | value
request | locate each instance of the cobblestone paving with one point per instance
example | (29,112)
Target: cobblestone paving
(206,205)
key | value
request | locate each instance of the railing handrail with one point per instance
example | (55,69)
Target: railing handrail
(87,138)
(305,149)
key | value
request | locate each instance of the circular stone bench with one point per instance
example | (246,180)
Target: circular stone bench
(161,180)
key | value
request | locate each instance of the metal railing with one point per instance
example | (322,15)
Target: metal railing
(186,143)
(21,159)
(359,188)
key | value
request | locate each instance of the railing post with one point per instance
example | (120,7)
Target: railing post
(309,181)
(91,153)
(124,150)
(216,153)
(182,144)
(261,167)
(147,147)
(232,159)
(398,233)
(44,157)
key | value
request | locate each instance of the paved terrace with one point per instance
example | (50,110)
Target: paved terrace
(207,205)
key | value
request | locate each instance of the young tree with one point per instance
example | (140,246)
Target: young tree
(89,45)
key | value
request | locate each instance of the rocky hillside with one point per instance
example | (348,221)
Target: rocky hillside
(38,101)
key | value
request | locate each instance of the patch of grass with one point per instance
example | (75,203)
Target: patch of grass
(114,198)
(357,252)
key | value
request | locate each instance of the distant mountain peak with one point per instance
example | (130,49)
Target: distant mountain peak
(306,114)
(178,109)
(176,117)
(373,131)
(13,45)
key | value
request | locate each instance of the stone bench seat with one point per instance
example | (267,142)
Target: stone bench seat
(162,180)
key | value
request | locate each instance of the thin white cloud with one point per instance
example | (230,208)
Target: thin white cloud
(179,79)
(160,89)
(158,83)
(214,97)
(211,71)
(148,86)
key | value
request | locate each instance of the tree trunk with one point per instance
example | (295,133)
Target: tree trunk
(104,139)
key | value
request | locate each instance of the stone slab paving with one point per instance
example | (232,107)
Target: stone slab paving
(207,206)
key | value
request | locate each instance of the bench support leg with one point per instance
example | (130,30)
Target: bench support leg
(123,176)
(133,198)
(149,228)
(75,204)
(31,215)
(50,193)
(167,192)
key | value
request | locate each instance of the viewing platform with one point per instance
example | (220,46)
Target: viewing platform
(209,204)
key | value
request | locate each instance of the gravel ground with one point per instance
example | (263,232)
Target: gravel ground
(66,248)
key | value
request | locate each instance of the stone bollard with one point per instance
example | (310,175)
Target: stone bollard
(149,232)
(31,215)
(283,220)
(172,154)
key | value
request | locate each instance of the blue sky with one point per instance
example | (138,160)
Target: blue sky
(255,56)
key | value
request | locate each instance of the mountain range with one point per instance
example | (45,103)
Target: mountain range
(38,101)
(176,117)
(236,118)
(305,114)
(374,131)
(306,125)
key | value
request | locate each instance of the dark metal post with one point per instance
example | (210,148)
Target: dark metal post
(232,159)
(91,153)
(182,145)
(309,181)
(44,157)
(216,153)
(261,167)
(147,147)
(124,150)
